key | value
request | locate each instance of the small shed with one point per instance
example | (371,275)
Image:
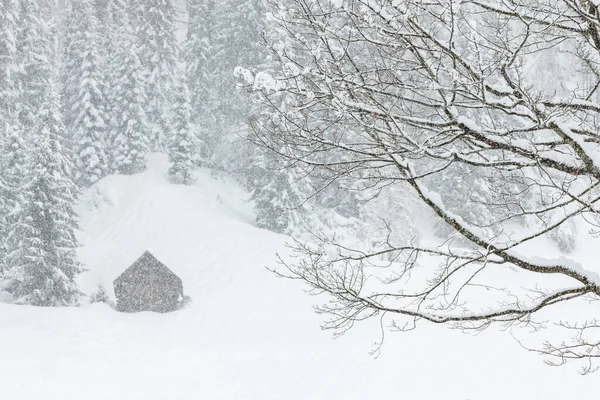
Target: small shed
(148,285)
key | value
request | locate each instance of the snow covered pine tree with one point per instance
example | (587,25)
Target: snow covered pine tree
(84,98)
(159,52)
(182,146)
(40,259)
(41,245)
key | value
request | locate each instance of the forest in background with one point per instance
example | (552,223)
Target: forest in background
(89,88)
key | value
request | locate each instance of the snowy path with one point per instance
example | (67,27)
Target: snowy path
(247,335)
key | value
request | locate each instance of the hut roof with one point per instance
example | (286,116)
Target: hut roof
(146,265)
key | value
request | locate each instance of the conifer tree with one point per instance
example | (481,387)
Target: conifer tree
(33,44)
(9,11)
(41,244)
(129,137)
(130,143)
(84,97)
(221,36)
(182,149)
(237,42)
(197,53)
(14,167)
(199,60)
(277,196)
(159,55)
(106,44)
(8,58)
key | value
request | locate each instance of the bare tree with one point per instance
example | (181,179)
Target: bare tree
(487,110)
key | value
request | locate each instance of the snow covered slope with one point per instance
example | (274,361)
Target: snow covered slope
(246,334)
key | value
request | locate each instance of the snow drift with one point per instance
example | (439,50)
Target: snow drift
(246,334)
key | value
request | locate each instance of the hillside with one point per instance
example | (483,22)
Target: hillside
(246,334)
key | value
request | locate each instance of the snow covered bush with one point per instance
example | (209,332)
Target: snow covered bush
(99,295)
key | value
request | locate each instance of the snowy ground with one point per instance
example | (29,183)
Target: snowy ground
(247,334)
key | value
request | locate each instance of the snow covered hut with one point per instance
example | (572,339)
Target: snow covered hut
(148,285)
